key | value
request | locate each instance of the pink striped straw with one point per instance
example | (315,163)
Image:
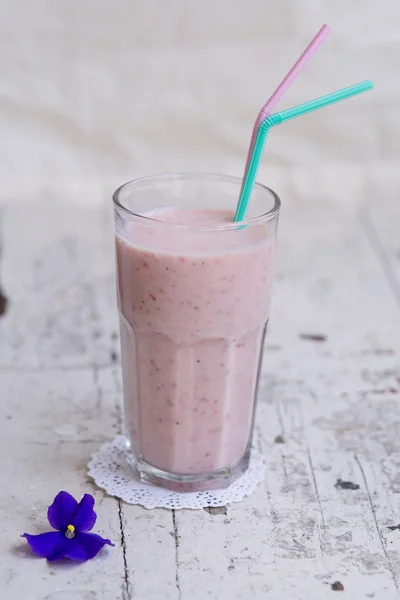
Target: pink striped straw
(286,83)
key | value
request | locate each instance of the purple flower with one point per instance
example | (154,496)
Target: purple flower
(73,521)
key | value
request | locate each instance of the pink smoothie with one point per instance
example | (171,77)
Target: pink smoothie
(194,309)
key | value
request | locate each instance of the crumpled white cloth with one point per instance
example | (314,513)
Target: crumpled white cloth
(110,470)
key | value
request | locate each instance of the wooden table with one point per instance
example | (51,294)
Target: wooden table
(328,414)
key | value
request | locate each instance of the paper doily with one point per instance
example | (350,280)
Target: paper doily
(110,470)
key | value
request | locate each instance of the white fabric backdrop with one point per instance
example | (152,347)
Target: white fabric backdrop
(95,92)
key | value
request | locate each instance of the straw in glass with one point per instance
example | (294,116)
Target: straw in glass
(281,117)
(286,83)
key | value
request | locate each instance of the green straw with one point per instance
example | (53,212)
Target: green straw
(281,117)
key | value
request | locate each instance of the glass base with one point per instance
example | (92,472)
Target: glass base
(190,483)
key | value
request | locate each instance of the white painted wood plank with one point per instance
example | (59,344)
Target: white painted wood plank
(150,553)
(381,224)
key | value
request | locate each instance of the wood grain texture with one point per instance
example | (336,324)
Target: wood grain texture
(328,411)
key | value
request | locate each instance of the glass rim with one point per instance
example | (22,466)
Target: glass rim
(141,181)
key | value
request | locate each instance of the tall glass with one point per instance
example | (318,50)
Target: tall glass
(194,291)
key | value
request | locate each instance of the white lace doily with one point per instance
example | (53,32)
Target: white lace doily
(111,472)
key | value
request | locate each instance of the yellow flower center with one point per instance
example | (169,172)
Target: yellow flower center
(70,533)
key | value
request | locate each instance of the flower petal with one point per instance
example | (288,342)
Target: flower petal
(62,511)
(85,546)
(85,517)
(50,545)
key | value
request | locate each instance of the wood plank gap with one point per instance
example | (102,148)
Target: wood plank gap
(373,511)
(310,462)
(3,298)
(176,538)
(126,586)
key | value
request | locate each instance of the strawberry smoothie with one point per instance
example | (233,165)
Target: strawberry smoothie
(194,307)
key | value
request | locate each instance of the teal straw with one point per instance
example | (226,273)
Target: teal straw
(281,117)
